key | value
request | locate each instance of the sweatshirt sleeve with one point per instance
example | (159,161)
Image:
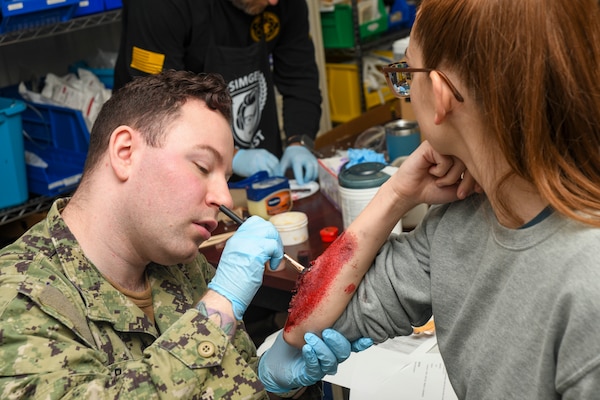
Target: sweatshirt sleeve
(395,293)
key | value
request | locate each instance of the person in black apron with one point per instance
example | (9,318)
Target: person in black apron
(256,46)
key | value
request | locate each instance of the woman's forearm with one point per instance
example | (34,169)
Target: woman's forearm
(325,289)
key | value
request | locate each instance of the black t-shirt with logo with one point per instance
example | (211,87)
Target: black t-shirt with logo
(215,36)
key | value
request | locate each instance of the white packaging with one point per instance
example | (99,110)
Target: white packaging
(329,169)
(399,47)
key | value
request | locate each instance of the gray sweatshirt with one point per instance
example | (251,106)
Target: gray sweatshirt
(517,311)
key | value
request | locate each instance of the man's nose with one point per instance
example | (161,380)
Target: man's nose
(220,194)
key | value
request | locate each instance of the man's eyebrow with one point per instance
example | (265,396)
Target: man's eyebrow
(210,149)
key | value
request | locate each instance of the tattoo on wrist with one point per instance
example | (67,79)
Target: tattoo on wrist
(226,323)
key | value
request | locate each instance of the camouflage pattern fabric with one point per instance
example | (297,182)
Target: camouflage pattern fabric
(66,332)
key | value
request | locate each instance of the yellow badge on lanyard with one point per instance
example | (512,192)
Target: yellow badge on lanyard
(269,29)
(147,61)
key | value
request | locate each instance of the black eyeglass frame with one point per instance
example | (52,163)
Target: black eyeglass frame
(394,67)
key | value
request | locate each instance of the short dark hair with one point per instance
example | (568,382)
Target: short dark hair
(150,103)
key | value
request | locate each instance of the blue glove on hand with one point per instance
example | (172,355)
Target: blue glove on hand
(240,271)
(302,161)
(247,162)
(284,367)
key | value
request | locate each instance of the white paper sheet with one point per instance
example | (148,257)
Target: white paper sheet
(403,368)
(424,378)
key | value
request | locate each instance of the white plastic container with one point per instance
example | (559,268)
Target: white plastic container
(292,227)
(358,185)
(354,201)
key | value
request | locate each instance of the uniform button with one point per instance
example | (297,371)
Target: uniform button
(206,349)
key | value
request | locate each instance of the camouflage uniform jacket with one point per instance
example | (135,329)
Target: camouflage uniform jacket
(66,332)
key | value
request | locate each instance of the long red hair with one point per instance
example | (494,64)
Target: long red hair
(533,67)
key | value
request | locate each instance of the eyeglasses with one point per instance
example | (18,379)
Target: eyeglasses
(399,77)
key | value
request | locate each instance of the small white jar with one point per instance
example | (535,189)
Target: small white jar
(292,227)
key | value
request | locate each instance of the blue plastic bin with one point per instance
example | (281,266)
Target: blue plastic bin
(31,14)
(50,125)
(59,136)
(63,172)
(112,4)
(87,7)
(56,127)
(402,14)
(13,180)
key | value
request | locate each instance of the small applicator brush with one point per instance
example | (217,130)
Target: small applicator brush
(225,210)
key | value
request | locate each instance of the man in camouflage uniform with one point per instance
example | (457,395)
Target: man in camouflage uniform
(109,297)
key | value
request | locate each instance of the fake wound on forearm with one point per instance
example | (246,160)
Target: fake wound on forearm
(323,291)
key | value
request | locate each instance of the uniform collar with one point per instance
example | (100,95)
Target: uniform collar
(103,302)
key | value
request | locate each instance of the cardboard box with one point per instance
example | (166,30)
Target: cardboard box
(333,142)
(406,110)
(342,136)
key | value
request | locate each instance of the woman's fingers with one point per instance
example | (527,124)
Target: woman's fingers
(448,170)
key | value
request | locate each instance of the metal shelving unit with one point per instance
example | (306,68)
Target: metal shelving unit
(30,207)
(362,46)
(38,204)
(72,25)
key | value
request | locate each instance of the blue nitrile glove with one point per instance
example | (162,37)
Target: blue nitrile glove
(361,344)
(242,264)
(283,367)
(303,163)
(247,162)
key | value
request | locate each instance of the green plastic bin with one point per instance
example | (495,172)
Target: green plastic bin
(337,26)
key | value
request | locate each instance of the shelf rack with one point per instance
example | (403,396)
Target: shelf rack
(75,24)
(32,206)
(362,46)
(38,204)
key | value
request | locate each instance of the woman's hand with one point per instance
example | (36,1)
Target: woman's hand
(427,176)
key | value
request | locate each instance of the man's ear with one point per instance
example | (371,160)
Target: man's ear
(120,150)
(443,97)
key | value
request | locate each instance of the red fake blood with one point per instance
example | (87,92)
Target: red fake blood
(350,288)
(313,284)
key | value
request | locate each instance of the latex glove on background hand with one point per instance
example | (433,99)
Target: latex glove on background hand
(302,161)
(283,367)
(242,264)
(247,162)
